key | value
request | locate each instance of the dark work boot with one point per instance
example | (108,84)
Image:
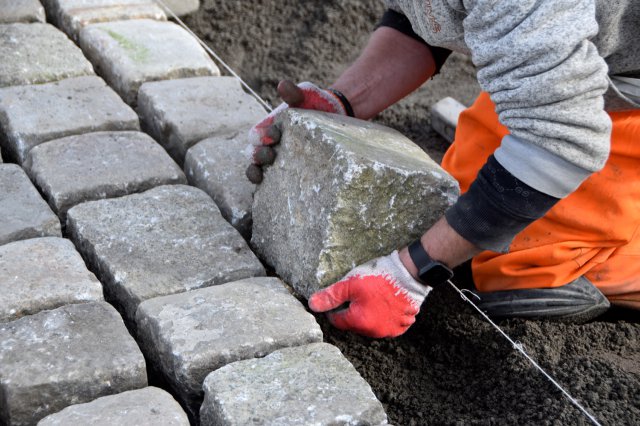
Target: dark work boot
(576,302)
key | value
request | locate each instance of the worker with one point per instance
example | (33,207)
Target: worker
(547,158)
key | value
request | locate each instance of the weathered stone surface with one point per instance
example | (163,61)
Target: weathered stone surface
(21,11)
(166,240)
(180,113)
(73,15)
(191,334)
(143,407)
(343,191)
(38,53)
(100,165)
(183,7)
(66,356)
(30,115)
(43,273)
(129,53)
(217,166)
(311,385)
(24,213)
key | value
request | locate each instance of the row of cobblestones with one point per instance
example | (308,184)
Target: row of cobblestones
(118,246)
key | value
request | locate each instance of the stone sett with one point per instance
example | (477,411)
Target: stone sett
(217,166)
(38,53)
(143,407)
(311,385)
(341,192)
(24,213)
(43,273)
(73,15)
(31,115)
(167,240)
(129,53)
(180,113)
(12,11)
(191,334)
(183,7)
(66,356)
(99,165)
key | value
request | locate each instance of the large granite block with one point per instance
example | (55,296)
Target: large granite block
(66,356)
(313,384)
(21,11)
(217,166)
(100,165)
(43,273)
(180,113)
(164,241)
(191,334)
(31,115)
(341,192)
(24,213)
(183,7)
(73,15)
(129,53)
(143,407)
(38,53)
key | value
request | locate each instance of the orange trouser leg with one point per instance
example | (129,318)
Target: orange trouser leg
(593,232)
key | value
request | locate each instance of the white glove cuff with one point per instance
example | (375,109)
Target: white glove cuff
(417,291)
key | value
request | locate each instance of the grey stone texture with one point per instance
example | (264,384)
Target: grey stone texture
(43,273)
(129,53)
(341,192)
(21,11)
(183,7)
(23,211)
(38,53)
(66,356)
(191,334)
(180,113)
(31,115)
(149,406)
(73,15)
(167,240)
(99,165)
(310,385)
(217,166)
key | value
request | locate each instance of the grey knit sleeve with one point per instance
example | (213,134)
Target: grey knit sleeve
(547,80)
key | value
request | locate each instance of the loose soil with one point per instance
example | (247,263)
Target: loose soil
(451,367)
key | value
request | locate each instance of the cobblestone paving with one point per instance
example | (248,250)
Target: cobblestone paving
(93,210)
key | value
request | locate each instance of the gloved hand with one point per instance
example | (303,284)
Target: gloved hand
(265,134)
(383,298)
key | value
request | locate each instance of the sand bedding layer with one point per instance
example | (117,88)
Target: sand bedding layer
(451,367)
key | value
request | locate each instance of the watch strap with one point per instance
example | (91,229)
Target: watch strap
(419,255)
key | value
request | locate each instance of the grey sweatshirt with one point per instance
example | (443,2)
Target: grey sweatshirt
(547,66)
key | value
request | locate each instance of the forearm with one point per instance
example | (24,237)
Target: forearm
(391,66)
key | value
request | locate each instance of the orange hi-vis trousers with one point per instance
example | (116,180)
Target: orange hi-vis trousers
(594,232)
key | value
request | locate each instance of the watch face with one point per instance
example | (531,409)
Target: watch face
(436,274)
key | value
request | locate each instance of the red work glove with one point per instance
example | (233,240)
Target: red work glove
(383,298)
(264,134)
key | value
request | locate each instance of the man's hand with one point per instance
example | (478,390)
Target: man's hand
(383,299)
(265,134)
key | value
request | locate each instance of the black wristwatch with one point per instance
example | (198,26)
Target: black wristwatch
(431,272)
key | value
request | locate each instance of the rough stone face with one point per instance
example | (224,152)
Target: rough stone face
(180,113)
(38,53)
(30,115)
(24,213)
(129,53)
(66,356)
(143,407)
(343,191)
(73,15)
(217,166)
(164,241)
(313,384)
(99,165)
(191,334)
(21,11)
(43,273)
(183,7)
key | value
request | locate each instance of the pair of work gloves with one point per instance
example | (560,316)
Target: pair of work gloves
(377,299)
